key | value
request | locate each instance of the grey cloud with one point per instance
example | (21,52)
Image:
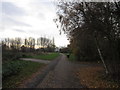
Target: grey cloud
(1,28)
(41,16)
(10,21)
(18,30)
(11,9)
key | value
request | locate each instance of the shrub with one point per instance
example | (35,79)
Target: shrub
(11,68)
(10,55)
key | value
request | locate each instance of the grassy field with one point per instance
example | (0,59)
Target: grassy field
(25,70)
(48,56)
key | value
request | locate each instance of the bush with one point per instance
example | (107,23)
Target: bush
(10,55)
(11,68)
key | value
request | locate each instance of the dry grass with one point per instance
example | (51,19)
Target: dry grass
(91,76)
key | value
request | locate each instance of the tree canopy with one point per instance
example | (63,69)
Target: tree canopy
(93,29)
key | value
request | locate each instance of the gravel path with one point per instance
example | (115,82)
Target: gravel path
(62,76)
(43,73)
(59,73)
(36,60)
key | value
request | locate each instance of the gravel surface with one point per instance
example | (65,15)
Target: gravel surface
(40,77)
(59,73)
(62,76)
(36,60)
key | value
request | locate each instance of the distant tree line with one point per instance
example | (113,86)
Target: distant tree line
(65,49)
(28,44)
(94,31)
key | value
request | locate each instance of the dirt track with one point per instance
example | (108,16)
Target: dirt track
(62,76)
(59,73)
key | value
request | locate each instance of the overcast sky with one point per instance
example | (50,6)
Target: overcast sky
(30,18)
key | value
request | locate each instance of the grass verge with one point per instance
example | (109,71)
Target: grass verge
(25,71)
(48,56)
(71,57)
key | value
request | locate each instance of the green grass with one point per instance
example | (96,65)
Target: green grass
(49,56)
(27,69)
(71,57)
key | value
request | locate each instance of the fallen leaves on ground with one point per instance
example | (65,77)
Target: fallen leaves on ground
(91,76)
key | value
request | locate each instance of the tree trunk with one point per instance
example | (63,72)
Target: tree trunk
(101,57)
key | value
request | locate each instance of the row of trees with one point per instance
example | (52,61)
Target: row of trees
(94,31)
(27,43)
